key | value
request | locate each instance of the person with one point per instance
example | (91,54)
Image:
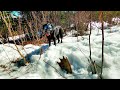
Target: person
(48,29)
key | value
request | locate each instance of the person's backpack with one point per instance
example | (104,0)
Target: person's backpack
(50,27)
(45,26)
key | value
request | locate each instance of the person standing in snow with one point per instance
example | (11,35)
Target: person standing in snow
(48,29)
(53,33)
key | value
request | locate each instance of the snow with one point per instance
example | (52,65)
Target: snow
(14,38)
(72,25)
(116,20)
(17,37)
(97,25)
(77,52)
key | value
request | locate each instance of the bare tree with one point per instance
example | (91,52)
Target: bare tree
(9,26)
(101,19)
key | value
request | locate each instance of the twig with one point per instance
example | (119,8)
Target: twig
(4,50)
(55,69)
(8,24)
(101,13)
(90,46)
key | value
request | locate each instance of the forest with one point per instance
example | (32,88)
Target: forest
(59,44)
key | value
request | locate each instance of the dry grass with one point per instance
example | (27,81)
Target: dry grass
(36,42)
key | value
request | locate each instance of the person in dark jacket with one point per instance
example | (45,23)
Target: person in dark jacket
(48,30)
(53,33)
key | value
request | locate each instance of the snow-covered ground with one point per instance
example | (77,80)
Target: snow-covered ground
(116,20)
(14,38)
(76,51)
(17,37)
(97,25)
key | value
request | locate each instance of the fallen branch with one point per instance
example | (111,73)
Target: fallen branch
(55,69)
